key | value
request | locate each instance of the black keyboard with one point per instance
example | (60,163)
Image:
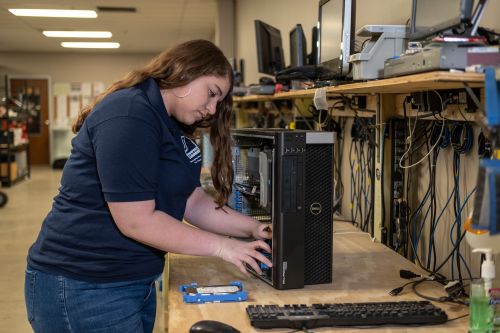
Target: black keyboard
(298,316)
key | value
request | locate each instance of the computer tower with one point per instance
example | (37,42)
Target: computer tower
(285,178)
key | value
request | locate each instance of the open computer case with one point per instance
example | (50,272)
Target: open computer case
(285,178)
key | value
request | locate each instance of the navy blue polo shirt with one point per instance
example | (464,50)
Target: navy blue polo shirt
(128,149)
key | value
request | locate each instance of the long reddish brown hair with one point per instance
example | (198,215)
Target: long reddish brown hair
(176,67)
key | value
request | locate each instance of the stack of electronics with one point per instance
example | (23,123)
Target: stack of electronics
(284,178)
(456,46)
(331,58)
(383,53)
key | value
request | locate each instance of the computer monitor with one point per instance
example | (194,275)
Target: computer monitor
(336,34)
(313,57)
(269,48)
(431,17)
(298,47)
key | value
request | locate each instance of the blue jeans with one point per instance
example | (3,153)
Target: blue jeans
(56,304)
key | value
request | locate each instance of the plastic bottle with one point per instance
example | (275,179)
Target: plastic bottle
(481,311)
(495,304)
(479,308)
(487,268)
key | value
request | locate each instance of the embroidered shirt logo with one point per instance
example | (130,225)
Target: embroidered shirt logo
(191,149)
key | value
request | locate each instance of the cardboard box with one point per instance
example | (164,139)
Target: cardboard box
(13,170)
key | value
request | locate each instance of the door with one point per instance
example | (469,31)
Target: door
(34,94)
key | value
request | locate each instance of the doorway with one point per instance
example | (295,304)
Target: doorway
(33,93)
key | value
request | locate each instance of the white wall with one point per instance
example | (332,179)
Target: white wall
(224,27)
(73,67)
(69,67)
(284,14)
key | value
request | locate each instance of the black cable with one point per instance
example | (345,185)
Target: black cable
(382,162)
(338,164)
(429,197)
(434,219)
(461,141)
(483,146)
(353,187)
(459,317)
(433,207)
(398,290)
(444,139)
(441,299)
(418,141)
(462,137)
(359,184)
(457,244)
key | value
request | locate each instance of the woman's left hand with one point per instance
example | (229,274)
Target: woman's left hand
(262,231)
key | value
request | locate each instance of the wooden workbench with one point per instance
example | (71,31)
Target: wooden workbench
(362,271)
(397,85)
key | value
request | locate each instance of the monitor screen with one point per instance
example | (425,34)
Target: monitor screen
(298,47)
(313,58)
(336,34)
(269,48)
(431,17)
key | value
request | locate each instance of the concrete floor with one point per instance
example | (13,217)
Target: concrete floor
(20,222)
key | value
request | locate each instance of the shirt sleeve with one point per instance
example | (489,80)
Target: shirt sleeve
(127,152)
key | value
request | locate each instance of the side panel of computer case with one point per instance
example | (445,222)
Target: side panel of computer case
(287,162)
(319,199)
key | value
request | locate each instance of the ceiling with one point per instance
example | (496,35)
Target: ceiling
(156,24)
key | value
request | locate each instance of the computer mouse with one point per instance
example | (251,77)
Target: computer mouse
(212,326)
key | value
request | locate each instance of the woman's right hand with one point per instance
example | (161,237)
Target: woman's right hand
(240,253)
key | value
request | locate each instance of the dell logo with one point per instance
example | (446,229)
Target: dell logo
(315,208)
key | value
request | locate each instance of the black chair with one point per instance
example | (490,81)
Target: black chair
(3,199)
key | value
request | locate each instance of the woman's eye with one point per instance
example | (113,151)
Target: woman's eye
(211,93)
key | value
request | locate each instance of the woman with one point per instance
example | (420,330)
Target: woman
(132,176)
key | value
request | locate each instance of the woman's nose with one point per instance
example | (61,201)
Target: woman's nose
(212,107)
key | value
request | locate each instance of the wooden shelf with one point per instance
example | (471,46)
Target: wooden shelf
(16,118)
(20,147)
(7,183)
(397,85)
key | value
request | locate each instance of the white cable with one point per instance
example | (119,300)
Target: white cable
(409,138)
(432,148)
(430,151)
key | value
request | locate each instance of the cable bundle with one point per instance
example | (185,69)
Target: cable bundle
(462,137)
(361,157)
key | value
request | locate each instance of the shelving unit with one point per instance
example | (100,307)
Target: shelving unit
(14,142)
(385,96)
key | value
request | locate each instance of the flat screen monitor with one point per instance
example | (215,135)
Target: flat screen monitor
(313,57)
(432,17)
(336,34)
(269,48)
(298,47)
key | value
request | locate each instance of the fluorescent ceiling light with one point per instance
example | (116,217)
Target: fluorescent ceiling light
(79,34)
(91,45)
(54,13)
